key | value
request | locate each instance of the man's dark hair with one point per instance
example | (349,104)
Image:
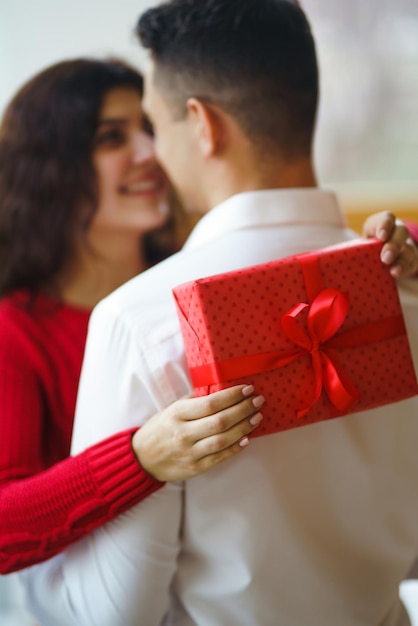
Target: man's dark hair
(254,58)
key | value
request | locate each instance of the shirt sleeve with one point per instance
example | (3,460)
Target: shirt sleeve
(115,389)
(121,573)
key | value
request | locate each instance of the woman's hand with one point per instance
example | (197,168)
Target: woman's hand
(193,435)
(399,251)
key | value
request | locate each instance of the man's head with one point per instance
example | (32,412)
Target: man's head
(252,61)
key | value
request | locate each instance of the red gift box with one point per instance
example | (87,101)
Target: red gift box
(320,334)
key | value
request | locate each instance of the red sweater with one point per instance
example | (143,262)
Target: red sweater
(48,499)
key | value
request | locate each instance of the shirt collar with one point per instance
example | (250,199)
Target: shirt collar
(268,206)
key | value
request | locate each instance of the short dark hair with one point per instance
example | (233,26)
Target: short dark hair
(254,58)
(46,169)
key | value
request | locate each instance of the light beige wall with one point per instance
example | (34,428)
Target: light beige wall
(36,33)
(367,139)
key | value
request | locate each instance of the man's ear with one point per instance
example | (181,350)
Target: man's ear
(208,123)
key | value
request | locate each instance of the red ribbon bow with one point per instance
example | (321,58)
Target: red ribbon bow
(326,315)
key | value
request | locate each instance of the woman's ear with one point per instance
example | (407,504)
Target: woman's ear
(208,123)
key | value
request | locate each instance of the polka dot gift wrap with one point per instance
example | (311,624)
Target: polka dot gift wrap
(320,335)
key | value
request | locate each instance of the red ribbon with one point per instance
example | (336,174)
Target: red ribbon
(327,312)
(326,315)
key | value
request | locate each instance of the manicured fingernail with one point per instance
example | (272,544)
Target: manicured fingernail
(256,419)
(244,442)
(388,257)
(248,390)
(382,234)
(258,401)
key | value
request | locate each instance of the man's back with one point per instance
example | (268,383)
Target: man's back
(311,526)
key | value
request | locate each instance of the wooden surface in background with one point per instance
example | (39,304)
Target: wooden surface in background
(356,216)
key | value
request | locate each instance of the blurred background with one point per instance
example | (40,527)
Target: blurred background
(367,140)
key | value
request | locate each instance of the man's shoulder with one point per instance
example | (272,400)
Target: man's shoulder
(146,299)
(153,288)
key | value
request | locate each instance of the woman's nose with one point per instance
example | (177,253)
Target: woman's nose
(143,148)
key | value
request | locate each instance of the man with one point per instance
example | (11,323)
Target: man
(310,527)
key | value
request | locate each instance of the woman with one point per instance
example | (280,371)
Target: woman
(83,208)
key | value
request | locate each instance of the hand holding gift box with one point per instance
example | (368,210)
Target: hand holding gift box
(320,335)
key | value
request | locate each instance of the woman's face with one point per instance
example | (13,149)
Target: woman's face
(132,186)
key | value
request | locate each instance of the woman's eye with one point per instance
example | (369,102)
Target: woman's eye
(111,137)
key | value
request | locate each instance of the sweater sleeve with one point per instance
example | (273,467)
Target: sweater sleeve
(45,506)
(43,514)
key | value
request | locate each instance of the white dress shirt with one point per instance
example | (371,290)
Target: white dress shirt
(315,526)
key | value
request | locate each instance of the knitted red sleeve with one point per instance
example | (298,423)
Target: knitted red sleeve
(44,510)
(41,515)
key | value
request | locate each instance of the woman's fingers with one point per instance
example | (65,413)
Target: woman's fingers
(214,402)
(406,262)
(224,434)
(194,434)
(399,251)
(220,430)
(379,225)
(211,460)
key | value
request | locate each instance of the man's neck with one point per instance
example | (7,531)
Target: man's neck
(298,174)
(294,174)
